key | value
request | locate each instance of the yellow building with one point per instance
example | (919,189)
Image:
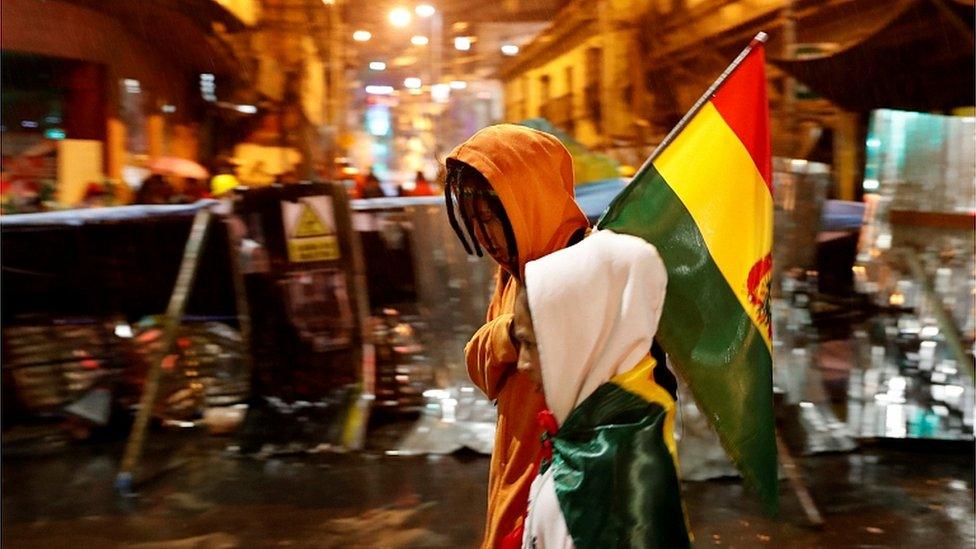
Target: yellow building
(578,74)
(618,74)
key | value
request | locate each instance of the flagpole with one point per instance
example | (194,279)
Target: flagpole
(705,98)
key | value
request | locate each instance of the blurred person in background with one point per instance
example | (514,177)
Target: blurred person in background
(422,187)
(371,187)
(154,190)
(225,179)
(95,196)
(195,189)
(222,184)
(509,191)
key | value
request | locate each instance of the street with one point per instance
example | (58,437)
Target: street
(201,496)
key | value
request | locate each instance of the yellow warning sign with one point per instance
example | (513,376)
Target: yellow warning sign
(309,224)
(315,248)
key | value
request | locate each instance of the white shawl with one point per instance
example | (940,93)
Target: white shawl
(595,309)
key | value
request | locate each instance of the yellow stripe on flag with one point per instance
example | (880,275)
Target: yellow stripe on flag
(639,380)
(717,180)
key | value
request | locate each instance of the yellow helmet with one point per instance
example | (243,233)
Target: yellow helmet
(626,170)
(223,183)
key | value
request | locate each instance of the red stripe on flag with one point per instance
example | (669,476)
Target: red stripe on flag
(741,100)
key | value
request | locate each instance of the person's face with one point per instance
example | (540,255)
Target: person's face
(528,356)
(489,230)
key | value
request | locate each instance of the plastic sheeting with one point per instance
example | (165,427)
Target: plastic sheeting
(455,418)
(102,215)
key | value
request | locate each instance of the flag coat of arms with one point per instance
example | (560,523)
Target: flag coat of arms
(704,200)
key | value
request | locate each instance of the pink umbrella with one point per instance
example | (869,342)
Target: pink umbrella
(171,165)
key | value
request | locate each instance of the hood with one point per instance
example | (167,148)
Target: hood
(595,309)
(532,174)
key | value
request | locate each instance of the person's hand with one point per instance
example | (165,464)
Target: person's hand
(521,308)
(528,353)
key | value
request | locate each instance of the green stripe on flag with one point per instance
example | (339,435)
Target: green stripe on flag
(709,336)
(614,477)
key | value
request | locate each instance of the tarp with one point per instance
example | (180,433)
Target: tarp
(100,262)
(906,54)
(85,216)
(842,215)
(593,198)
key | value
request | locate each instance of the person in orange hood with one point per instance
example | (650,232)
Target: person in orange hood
(509,192)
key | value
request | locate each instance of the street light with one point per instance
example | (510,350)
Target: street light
(419,40)
(379,90)
(425,10)
(440,93)
(362,36)
(510,49)
(377,66)
(400,17)
(462,43)
(412,83)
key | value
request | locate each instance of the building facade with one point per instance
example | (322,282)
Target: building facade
(578,73)
(618,74)
(111,85)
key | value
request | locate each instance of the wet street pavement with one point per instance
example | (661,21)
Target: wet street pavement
(199,495)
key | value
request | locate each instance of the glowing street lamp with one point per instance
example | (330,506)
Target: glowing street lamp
(419,40)
(400,17)
(362,36)
(425,10)
(377,66)
(510,49)
(462,43)
(440,93)
(379,90)
(412,83)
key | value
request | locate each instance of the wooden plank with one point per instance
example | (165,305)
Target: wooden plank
(171,321)
(799,487)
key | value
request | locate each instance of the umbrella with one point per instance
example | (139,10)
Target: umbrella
(42,148)
(171,165)
(588,166)
(593,198)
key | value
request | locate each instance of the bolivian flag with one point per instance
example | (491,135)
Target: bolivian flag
(704,201)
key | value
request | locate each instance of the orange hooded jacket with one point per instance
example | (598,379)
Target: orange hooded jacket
(532,174)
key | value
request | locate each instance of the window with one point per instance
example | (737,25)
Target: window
(544,89)
(591,93)
(569,102)
(594,61)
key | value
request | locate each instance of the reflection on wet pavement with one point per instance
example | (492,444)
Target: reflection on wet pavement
(880,498)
